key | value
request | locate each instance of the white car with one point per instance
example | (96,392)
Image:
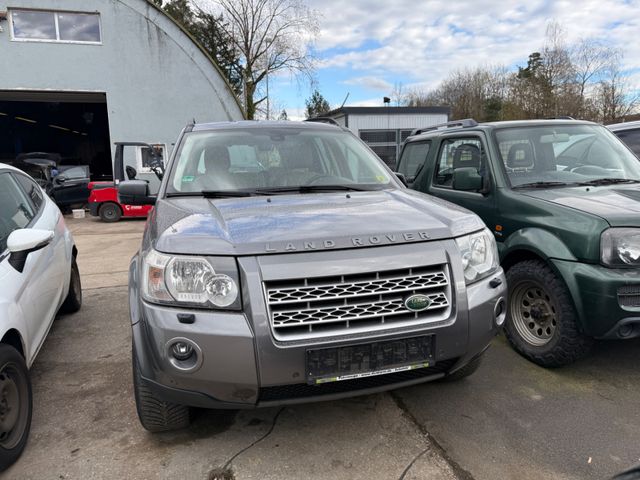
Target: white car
(38,277)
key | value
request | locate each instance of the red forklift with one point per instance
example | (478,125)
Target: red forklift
(103,196)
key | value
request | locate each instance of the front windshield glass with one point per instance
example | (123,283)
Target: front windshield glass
(565,154)
(264,158)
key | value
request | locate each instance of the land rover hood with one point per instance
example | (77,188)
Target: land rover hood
(619,205)
(302,223)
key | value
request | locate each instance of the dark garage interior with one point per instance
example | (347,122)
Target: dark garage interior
(73,125)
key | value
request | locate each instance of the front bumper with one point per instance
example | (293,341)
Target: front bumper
(595,290)
(243,366)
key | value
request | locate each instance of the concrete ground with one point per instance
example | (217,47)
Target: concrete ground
(85,425)
(511,420)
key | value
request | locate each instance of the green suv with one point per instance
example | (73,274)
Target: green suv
(562,198)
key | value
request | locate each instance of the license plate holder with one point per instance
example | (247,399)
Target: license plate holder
(350,362)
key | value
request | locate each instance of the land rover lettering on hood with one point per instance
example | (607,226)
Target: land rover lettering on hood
(284,262)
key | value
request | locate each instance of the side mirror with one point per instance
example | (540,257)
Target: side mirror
(60,178)
(24,241)
(467,179)
(402,178)
(135,192)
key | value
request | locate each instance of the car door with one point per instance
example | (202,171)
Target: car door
(462,152)
(631,138)
(71,185)
(40,282)
(413,159)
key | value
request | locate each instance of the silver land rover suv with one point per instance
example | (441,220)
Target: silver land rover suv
(284,262)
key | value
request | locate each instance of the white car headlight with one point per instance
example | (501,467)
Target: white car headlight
(620,247)
(479,255)
(189,281)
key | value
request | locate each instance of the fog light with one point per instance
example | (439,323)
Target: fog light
(181,351)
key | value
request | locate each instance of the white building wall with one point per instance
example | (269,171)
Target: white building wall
(394,121)
(155,78)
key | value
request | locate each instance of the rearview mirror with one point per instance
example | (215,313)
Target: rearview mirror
(23,241)
(467,179)
(135,192)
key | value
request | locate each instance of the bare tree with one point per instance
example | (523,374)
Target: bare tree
(615,98)
(398,94)
(272,36)
(590,59)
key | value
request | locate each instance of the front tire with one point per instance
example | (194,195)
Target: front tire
(542,323)
(109,212)
(73,302)
(157,415)
(16,405)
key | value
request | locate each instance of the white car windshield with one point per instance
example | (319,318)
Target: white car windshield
(565,154)
(259,159)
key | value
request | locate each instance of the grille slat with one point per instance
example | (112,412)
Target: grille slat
(312,307)
(355,289)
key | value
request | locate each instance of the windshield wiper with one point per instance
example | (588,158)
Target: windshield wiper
(543,184)
(213,194)
(609,181)
(309,189)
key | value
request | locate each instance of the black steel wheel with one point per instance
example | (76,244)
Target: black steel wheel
(15,405)
(542,324)
(109,212)
(73,302)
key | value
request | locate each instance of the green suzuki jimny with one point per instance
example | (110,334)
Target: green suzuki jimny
(562,198)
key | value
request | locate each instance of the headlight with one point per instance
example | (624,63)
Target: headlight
(620,247)
(479,255)
(192,281)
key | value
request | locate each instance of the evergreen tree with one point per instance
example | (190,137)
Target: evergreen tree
(317,105)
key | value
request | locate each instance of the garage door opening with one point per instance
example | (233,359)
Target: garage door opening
(73,125)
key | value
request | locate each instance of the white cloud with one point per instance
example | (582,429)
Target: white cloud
(423,41)
(370,82)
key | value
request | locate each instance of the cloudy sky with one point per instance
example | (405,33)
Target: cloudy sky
(366,46)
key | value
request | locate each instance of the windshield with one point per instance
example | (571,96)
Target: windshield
(565,154)
(261,159)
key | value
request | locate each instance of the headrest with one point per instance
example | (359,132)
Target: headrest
(520,156)
(466,155)
(216,158)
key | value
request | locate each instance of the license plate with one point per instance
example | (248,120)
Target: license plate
(366,360)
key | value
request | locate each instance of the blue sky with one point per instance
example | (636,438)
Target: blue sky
(364,47)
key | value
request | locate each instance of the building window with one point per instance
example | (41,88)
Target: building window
(145,157)
(64,27)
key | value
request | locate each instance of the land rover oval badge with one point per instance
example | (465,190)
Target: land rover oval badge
(417,303)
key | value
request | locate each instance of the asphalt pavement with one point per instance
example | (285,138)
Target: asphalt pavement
(510,420)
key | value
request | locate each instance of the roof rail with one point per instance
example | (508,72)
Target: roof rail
(561,117)
(328,120)
(465,123)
